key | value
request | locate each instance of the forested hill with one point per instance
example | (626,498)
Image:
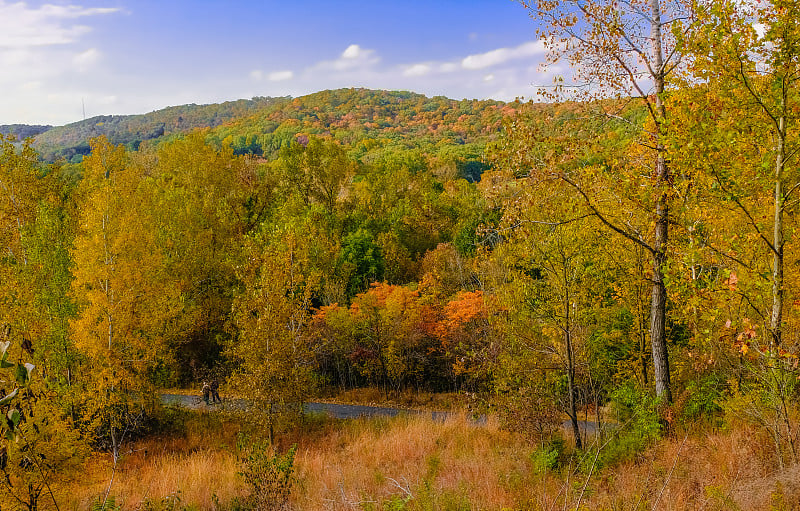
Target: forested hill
(72,140)
(351,116)
(23,131)
(371,123)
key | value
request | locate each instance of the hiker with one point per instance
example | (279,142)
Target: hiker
(214,388)
(206,392)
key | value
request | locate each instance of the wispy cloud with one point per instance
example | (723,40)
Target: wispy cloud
(42,58)
(280,76)
(492,74)
(22,26)
(354,57)
(503,55)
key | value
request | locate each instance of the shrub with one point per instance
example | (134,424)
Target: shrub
(269,475)
(639,425)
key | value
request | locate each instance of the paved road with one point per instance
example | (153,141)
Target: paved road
(338,411)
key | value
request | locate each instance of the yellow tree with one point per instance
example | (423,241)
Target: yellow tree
(117,287)
(740,137)
(21,190)
(627,49)
(270,347)
(741,130)
(201,202)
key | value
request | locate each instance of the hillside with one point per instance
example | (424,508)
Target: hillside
(23,131)
(376,123)
(371,123)
(131,130)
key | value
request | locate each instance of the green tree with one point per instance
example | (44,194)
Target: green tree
(360,261)
(271,315)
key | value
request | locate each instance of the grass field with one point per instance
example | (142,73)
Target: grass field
(412,462)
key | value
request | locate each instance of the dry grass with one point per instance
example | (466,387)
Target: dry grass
(412,462)
(370,462)
(411,399)
(194,466)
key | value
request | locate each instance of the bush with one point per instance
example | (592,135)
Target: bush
(549,456)
(704,397)
(269,475)
(639,425)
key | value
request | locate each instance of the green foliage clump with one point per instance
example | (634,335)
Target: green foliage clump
(360,260)
(638,423)
(704,396)
(549,456)
(268,474)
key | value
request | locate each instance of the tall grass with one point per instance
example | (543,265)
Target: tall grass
(414,463)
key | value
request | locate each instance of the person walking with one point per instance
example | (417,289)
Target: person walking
(214,389)
(206,392)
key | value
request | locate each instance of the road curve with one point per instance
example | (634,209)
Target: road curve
(339,411)
(336,411)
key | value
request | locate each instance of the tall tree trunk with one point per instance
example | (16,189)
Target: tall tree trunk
(573,409)
(777,242)
(658,305)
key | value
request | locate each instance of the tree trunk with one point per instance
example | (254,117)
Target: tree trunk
(777,254)
(658,305)
(573,411)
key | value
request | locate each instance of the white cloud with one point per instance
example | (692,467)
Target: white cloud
(503,55)
(280,76)
(274,76)
(417,70)
(352,52)
(352,58)
(488,78)
(85,60)
(22,26)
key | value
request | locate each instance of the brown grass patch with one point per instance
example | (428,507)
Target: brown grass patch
(412,462)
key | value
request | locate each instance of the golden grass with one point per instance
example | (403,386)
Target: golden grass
(455,464)
(193,466)
(409,399)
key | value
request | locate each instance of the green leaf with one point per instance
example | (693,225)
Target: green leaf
(21,374)
(14,416)
(4,364)
(9,397)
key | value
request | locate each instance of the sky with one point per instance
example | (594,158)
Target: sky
(59,59)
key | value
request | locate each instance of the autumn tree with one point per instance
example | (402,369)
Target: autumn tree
(270,348)
(739,134)
(468,344)
(21,190)
(316,171)
(741,128)
(201,202)
(119,290)
(627,49)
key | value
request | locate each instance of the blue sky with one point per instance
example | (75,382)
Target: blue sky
(135,56)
